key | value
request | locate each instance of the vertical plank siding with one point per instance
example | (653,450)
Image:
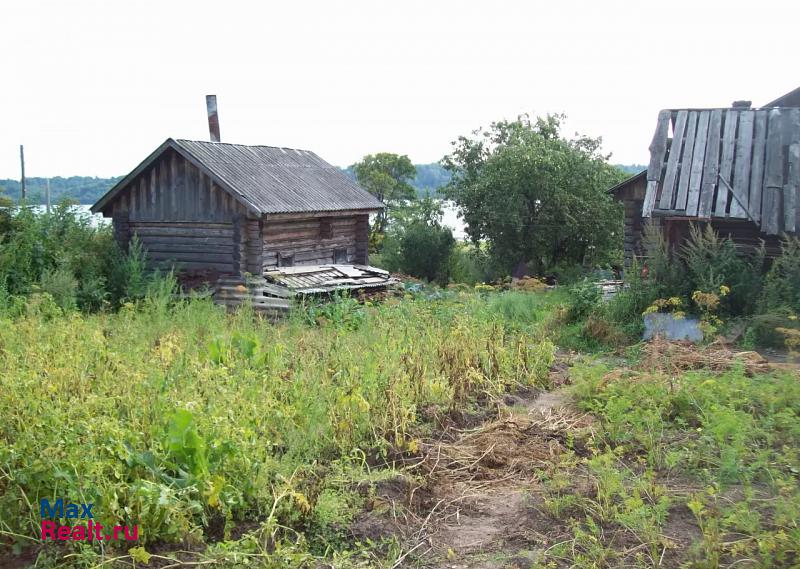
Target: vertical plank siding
(726,163)
(686,165)
(738,164)
(667,191)
(691,203)
(175,190)
(757,167)
(741,170)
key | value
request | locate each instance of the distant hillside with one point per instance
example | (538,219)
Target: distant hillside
(631,168)
(429,178)
(83,189)
(87,190)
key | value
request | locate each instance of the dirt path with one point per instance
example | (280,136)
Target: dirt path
(473,500)
(489,520)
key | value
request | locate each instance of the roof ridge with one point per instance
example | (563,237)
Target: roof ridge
(244,145)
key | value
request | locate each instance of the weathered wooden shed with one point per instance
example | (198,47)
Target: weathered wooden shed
(631,193)
(737,169)
(231,209)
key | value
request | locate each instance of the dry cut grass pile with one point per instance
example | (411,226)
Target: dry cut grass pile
(675,357)
(513,446)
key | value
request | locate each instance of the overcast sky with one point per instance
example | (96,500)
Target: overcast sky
(92,87)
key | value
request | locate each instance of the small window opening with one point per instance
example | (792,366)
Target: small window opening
(325,229)
(340,256)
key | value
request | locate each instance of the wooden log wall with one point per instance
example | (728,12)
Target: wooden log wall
(254,246)
(632,197)
(362,240)
(301,238)
(189,246)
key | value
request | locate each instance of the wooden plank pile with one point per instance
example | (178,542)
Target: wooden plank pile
(273,293)
(323,279)
(727,164)
(265,299)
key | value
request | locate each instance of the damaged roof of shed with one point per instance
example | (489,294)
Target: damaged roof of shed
(314,279)
(732,163)
(267,179)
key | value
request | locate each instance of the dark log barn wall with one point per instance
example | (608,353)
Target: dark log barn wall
(181,215)
(302,237)
(745,236)
(631,194)
(633,198)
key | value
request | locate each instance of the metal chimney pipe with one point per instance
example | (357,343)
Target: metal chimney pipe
(213,117)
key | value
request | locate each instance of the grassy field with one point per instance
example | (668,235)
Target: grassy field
(233,442)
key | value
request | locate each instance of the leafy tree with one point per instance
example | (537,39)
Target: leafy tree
(386,176)
(535,195)
(418,244)
(782,284)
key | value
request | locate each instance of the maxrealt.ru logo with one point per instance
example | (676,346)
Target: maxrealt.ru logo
(89,532)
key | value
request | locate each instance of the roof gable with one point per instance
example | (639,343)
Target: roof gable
(265,179)
(790,99)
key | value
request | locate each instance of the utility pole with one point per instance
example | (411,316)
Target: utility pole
(47,195)
(22,179)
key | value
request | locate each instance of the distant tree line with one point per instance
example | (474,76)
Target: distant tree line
(82,189)
(428,179)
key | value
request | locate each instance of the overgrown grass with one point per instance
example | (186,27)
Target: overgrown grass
(712,455)
(197,425)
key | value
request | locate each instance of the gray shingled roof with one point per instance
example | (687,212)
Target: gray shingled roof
(269,179)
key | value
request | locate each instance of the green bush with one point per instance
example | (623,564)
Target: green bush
(62,285)
(782,283)
(128,279)
(418,244)
(425,252)
(584,297)
(341,311)
(470,264)
(567,273)
(712,261)
(763,333)
(62,251)
(65,255)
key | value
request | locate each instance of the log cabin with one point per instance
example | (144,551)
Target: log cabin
(631,193)
(736,169)
(232,209)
